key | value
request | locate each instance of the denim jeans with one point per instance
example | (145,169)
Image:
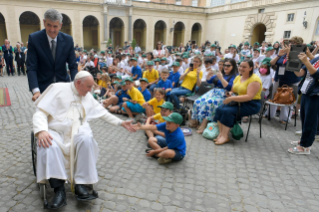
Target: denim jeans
(175,93)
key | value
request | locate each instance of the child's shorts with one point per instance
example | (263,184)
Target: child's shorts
(135,108)
(161,141)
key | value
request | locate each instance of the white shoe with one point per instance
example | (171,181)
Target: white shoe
(299,132)
(295,150)
(138,117)
(296,143)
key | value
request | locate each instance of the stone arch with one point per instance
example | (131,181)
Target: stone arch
(3,29)
(66,25)
(29,23)
(160,32)
(196,33)
(252,21)
(91,33)
(179,34)
(139,33)
(117,31)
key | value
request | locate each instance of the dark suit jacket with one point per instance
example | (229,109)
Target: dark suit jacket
(18,58)
(7,53)
(41,68)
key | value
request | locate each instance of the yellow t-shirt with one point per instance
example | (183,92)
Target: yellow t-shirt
(241,87)
(151,76)
(154,103)
(136,95)
(158,117)
(102,84)
(190,79)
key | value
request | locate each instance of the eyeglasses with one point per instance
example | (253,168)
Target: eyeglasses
(227,65)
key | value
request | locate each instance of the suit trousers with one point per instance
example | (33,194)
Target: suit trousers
(20,65)
(309,115)
(9,64)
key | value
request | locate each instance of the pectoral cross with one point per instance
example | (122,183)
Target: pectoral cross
(81,119)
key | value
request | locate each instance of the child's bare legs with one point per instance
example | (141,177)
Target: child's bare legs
(149,111)
(115,108)
(113,100)
(167,154)
(149,133)
(153,143)
(202,126)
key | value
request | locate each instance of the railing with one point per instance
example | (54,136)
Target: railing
(118,2)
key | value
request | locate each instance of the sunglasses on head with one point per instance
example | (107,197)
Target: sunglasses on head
(225,65)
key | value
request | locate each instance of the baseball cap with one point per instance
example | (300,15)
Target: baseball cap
(102,52)
(213,45)
(150,63)
(129,79)
(118,77)
(167,105)
(174,117)
(246,43)
(116,82)
(232,46)
(185,56)
(133,58)
(144,79)
(269,49)
(164,58)
(143,55)
(257,44)
(122,83)
(176,64)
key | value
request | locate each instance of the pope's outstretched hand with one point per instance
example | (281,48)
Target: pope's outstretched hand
(128,125)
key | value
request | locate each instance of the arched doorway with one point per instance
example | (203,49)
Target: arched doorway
(160,32)
(197,33)
(67,25)
(117,32)
(258,34)
(29,23)
(139,33)
(91,33)
(3,29)
(179,31)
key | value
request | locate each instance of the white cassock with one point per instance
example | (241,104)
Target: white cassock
(74,152)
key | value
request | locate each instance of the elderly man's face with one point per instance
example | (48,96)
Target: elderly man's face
(84,86)
(52,28)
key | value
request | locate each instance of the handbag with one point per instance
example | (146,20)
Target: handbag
(236,132)
(212,131)
(284,95)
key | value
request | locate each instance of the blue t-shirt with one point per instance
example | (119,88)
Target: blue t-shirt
(219,83)
(123,94)
(137,71)
(146,93)
(174,77)
(164,84)
(288,78)
(174,140)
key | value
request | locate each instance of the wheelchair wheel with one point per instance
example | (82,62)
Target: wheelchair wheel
(34,153)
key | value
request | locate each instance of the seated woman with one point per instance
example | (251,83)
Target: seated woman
(204,107)
(191,78)
(248,86)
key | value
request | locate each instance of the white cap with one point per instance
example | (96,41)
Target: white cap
(82,74)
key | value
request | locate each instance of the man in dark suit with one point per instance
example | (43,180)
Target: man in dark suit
(20,59)
(8,56)
(48,52)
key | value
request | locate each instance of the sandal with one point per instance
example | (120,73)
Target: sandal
(149,149)
(296,143)
(245,119)
(295,150)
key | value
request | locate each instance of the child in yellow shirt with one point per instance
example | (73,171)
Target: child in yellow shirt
(151,107)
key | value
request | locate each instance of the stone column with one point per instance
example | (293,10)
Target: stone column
(105,24)
(130,27)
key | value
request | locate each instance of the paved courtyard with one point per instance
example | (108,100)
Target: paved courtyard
(258,175)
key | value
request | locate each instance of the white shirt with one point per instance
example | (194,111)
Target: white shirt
(230,55)
(91,64)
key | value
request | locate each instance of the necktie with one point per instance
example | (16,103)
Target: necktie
(53,48)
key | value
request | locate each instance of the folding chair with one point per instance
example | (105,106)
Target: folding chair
(282,105)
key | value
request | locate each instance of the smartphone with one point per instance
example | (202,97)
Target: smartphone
(191,65)
(286,42)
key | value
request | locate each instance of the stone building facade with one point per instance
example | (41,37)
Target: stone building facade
(93,22)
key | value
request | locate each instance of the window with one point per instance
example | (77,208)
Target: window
(261,10)
(287,34)
(178,2)
(290,17)
(317,29)
(235,1)
(215,3)
(194,3)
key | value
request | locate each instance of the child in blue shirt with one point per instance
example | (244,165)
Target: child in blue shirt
(136,70)
(175,75)
(174,147)
(114,103)
(165,83)
(143,88)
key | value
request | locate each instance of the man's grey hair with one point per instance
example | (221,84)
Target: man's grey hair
(53,15)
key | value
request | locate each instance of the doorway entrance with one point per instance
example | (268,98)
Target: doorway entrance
(258,34)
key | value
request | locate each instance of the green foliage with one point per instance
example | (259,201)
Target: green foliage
(133,43)
(109,42)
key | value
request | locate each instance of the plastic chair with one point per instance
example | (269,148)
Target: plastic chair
(282,105)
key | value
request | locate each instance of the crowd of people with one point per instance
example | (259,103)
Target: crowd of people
(139,83)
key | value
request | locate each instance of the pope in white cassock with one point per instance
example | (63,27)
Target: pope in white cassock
(66,149)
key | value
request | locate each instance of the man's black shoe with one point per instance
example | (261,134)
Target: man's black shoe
(59,200)
(81,192)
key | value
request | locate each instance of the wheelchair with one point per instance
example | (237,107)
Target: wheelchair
(43,186)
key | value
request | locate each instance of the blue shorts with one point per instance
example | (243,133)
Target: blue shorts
(135,108)
(161,141)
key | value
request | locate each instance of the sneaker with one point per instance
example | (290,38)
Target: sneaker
(138,117)
(163,160)
(317,137)
(299,132)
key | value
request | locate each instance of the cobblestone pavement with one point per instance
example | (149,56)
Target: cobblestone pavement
(258,175)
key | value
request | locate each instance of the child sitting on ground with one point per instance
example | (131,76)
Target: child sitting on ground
(115,86)
(133,105)
(173,148)
(114,103)
(165,83)
(151,106)
(143,89)
(166,109)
